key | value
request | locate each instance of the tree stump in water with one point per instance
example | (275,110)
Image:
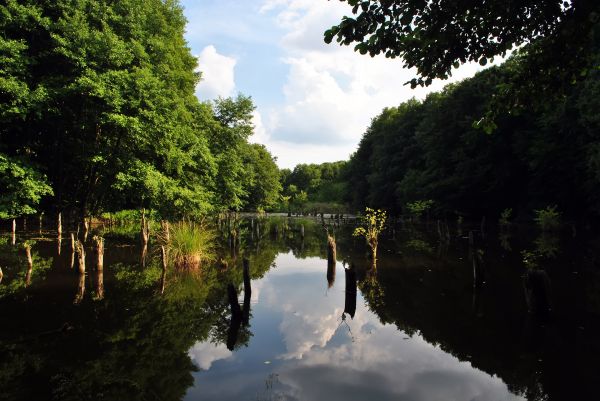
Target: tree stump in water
(29,265)
(80,257)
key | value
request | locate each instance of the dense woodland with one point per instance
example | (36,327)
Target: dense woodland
(98,113)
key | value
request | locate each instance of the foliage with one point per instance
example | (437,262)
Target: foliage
(417,208)
(373,223)
(505,216)
(21,188)
(548,218)
(321,183)
(429,150)
(101,96)
(435,38)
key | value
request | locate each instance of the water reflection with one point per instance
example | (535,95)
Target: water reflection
(415,328)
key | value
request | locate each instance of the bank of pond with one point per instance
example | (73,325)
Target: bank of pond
(268,308)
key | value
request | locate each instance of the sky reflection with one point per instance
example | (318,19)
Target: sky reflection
(303,350)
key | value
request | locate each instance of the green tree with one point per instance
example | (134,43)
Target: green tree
(436,37)
(21,188)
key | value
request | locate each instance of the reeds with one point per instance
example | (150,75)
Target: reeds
(189,245)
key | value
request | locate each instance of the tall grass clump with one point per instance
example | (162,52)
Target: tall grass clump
(190,245)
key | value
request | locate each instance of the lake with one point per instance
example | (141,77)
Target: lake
(509,314)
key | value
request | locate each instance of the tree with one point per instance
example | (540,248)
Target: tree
(21,188)
(264,186)
(437,36)
(101,94)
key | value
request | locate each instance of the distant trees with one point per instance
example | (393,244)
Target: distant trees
(322,183)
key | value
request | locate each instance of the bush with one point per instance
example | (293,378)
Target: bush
(547,219)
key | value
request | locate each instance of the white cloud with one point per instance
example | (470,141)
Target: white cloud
(206,353)
(217,74)
(331,93)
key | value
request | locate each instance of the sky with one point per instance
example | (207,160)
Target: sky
(313,100)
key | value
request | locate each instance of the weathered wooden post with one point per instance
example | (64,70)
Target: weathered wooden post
(14,231)
(100,267)
(80,257)
(331,251)
(145,229)
(236,317)
(163,276)
(350,296)
(247,292)
(59,228)
(1,275)
(80,289)
(86,229)
(29,264)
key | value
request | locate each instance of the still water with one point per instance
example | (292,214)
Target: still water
(513,317)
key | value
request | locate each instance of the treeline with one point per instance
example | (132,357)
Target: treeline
(98,113)
(546,152)
(313,188)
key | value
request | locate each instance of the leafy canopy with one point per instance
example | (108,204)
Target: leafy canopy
(436,36)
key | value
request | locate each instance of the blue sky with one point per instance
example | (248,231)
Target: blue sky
(313,100)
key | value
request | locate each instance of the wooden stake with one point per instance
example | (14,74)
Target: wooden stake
(331,250)
(14,231)
(81,257)
(59,229)
(163,277)
(29,264)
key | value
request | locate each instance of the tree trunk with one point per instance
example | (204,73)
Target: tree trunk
(59,228)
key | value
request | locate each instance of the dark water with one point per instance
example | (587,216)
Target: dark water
(514,317)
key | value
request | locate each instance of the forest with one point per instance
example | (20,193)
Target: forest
(98,114)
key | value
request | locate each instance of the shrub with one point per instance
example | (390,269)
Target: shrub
(374,221)
(505,216)
(547,219)
(419,207)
